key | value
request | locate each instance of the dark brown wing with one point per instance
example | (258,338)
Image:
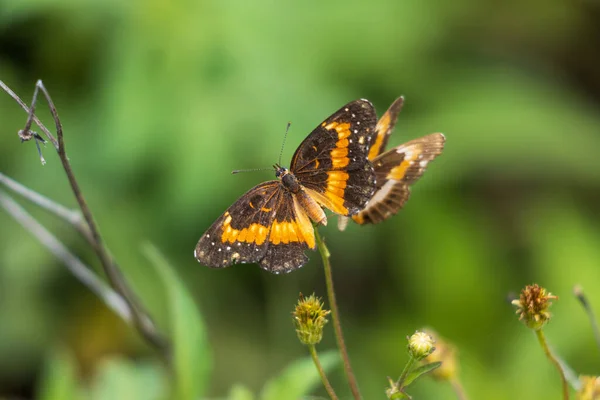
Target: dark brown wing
(384,128)
(261,227)
(331,163)
(396,170)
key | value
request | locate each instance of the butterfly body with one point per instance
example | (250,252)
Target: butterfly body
(271,224)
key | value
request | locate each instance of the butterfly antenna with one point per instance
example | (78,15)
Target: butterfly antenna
(283,144)
(237,171)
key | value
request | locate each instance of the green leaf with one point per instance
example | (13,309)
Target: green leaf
(240,392)
(191,359)
(59,379)
(417,372)
(122,379)
(299,378)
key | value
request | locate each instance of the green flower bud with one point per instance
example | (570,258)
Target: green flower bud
(309,318)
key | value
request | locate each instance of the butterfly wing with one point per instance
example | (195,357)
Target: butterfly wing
(261,227)
(331,163)
(396,170)
(384,128)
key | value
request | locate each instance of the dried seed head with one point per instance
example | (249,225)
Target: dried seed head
(532,306)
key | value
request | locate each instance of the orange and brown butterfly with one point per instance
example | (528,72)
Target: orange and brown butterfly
(396,169)
(271,224)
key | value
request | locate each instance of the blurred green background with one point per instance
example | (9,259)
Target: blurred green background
(161,100)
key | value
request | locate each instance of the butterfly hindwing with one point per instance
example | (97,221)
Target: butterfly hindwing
(396,170)
(263,226)
(331,163)
(240,234)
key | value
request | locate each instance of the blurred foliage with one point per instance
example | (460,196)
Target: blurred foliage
(161,100)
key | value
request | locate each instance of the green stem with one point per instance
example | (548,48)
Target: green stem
(542,339)
(315,357)
(407,368)
(588,309)
(335,316)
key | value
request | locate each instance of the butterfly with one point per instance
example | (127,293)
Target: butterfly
(271,223)
(395,169)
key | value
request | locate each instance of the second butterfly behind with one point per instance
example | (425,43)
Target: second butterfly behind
(271,223)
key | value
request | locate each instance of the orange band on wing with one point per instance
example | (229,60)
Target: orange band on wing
(255,233)
(381,130)
(339,155)
(333,197)
(398,173)
(285,232)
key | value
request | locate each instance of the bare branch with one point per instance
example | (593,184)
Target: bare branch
(114,301)
(140,317)
(71,216)
(35,119)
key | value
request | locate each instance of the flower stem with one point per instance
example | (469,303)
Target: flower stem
(315,357)
(407,368)
(335,316)
(542,339)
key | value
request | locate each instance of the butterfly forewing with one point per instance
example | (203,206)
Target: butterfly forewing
(396,170)
(331,163)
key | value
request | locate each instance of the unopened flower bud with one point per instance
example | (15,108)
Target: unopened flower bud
(309,318)
(420,345)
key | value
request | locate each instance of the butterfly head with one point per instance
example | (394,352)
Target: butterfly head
(288,179)
(280,171)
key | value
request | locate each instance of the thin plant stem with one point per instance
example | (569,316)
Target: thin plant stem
(335,316)
(407,368)
(542,339)
(578,291)
(35,119)
(313,353)
(458,389)
(83,273)
(73,217)
(140,317)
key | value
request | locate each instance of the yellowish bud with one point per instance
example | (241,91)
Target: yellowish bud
(420,345)
(309,318)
